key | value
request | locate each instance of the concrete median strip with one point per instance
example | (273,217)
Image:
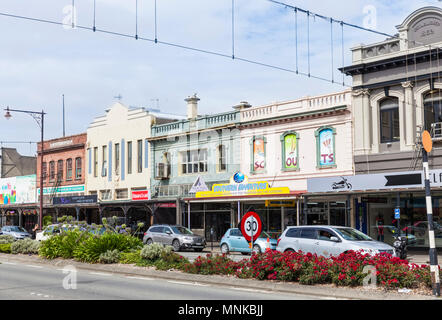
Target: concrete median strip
(225,281)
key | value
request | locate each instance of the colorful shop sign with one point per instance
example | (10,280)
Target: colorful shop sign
(61,190)
(243,188)
(290,151)
(17,190)
(326,147)
(259,156)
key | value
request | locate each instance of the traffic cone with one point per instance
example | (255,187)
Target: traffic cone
(268,245)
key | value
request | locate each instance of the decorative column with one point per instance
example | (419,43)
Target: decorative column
(410,126)
(362,121)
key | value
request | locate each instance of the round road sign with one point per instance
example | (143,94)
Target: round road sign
(251,226)
(427,141)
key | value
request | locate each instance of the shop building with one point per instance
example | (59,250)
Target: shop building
(286,143)
(397,93)
(192,155)
(63,176)
(118,171)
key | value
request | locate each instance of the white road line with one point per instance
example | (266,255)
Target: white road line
(249,290)
(101,274)
(31,266)
(140,278)
(14,264)
(189,283)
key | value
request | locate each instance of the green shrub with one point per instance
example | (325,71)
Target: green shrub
(47,220)
(154,251)
(91,249)
(4,239)
(63,245)
(131,257)
(25,246)
(109,257)
(5,248)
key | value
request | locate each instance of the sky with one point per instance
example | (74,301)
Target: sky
(40,62)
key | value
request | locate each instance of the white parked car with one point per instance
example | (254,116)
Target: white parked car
(50,230)
(329,241)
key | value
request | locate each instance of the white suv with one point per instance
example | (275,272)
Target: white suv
(329,241)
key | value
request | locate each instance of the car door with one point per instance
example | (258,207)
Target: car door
(235,238)
(325,246)
(167,236)
(309,240)
(156,234)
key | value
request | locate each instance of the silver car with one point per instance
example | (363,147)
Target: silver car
(17,232)
(329,241)
(178,237)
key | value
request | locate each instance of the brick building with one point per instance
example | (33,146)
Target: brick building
(63,176)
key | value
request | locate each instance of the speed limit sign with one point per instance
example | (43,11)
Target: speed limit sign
(251,226)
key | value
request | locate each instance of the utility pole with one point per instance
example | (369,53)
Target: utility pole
(64,133)
(427,143)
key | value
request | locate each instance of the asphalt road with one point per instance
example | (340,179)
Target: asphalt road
(35,282)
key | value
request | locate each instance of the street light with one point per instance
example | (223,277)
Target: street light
(39,118)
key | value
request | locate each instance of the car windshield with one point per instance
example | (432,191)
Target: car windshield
(181,230)
(352,234)
(18,229)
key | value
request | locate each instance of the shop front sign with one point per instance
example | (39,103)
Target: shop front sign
(380,181)
(61,190)
(141,195)
(75,200)
(240,186)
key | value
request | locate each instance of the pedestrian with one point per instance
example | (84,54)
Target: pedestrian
(34,231)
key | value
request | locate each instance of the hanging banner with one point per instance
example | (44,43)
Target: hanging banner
(326,147)
(291,151)
(258,155)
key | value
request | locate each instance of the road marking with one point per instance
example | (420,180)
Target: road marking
(31,266)
(189,283)
(101,274)
(249,290)
(14,264)
(141,278)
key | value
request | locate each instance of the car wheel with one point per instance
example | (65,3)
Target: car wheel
(149,241)
(198,250)
(176,245)
(256,249)
(245,253)
(224,248)
(289,250)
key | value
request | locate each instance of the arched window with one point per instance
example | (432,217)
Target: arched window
(290,151)
(60,169)
(389,114)
(432,108)
(69,169)
(51,171)
(78,168)
(325,147)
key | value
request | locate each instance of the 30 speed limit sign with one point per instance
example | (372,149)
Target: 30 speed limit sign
(251,226)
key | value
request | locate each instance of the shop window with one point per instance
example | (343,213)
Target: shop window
(129,157)
(389,116)
(140,156)
(104,162)
(69,169)
(78,172)
(51,171)
(60,170)
(258,157)
(194,161)
(117,158)
(121,194)
(222,158)
(45,170)
(95,162)
(325,147)
(290,152)
(433,111)
(196,220)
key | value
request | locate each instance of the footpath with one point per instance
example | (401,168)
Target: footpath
(328,291)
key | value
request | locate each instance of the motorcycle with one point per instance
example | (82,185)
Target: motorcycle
(400,246)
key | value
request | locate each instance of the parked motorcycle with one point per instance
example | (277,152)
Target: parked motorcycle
(400,246)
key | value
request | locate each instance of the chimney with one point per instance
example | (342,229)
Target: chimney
(242,105)
(192,107)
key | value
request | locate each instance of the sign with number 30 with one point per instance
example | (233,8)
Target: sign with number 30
(251,226)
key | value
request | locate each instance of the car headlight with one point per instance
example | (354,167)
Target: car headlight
(188,238)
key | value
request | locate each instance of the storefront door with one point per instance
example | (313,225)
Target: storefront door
(361,216)
(218,222)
